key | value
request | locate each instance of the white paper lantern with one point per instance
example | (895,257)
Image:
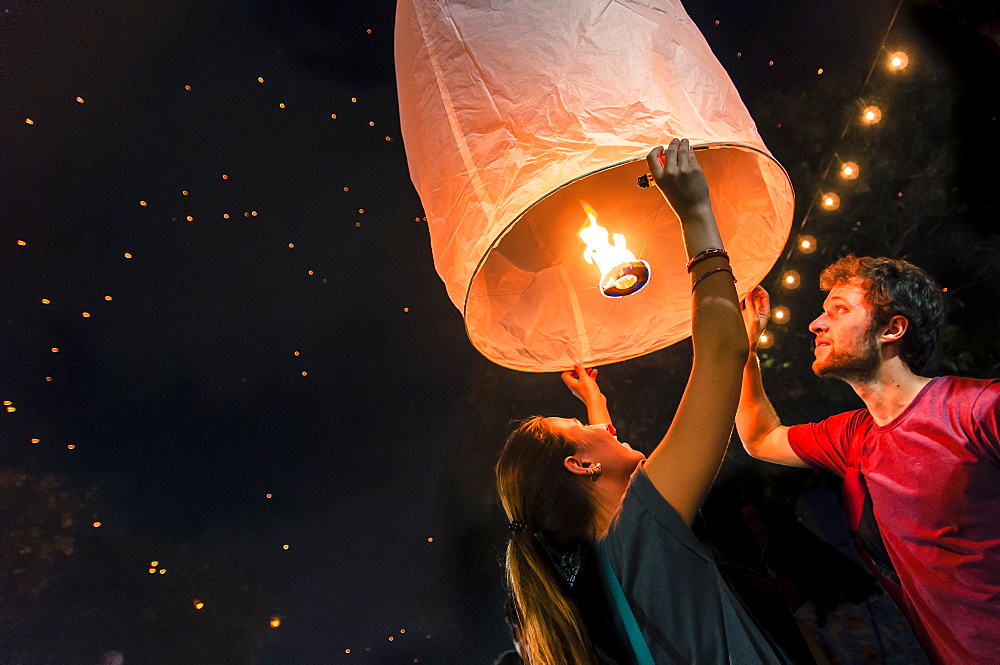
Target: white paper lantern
(516,114)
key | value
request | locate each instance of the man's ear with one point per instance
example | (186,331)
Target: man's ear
(577,466)
(894,330)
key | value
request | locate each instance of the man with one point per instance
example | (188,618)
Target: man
(921,464)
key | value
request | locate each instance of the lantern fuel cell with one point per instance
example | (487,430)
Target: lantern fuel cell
(621,273)
(516,113)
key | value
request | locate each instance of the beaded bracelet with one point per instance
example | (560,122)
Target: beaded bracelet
(707,254)
(712,272)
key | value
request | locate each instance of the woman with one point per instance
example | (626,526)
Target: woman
(567,487)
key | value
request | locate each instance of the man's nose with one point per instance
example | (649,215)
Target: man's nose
(818,324)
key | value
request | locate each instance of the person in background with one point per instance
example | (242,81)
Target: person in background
(921,461)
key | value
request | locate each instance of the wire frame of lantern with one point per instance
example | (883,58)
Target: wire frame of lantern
(520,116)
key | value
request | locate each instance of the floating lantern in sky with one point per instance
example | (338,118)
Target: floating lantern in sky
(516,117)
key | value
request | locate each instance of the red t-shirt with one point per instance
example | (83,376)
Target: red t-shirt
(933,474)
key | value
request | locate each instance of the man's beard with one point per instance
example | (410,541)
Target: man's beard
(858,364)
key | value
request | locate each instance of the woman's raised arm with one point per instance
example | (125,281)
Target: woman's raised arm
(686,461)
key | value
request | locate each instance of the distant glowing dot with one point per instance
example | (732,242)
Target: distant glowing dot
(430,540)
(284,547)
(29,121)
(291,245)
(281,105)
(7,402)
(807,244)
(143,203)
(79,100)
(402,630)
(55,349)
(152,571)
(246,214)
(898,61)
(225,177)
(716,21)
(333,115)
(225,215)
(184,192)
(347,651)
(391,638)
(260,79)
(36,440)
(406,309)
(371,123)
(198,604)
(899,195)
(765,341)
(189,218)
(275,622)
(21,243)
(849,171)
(253,212)
(790,280)
(268,495)
(85,315)
(361,210)
(48,378)
(127,255)
(770,63)
(187,87)
(871,115)
(163,571)
(11,409)
(154,564)
(369,31)
(71,446)
(108,298)
(296,353)
(388,138)
(311,272)
(305,373)
(944,290)
(97,525)
(739,54)
(347,189)
(830,201)
(780,315)
(357,224)
(354,100)
(46,301)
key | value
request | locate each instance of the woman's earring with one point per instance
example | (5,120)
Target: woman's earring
(594,471)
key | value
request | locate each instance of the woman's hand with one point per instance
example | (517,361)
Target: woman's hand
(679,176)
(583,383)
(756,314)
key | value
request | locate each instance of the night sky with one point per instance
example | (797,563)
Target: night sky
(216,285)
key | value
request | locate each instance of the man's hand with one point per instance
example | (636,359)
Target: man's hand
(583,383)
(756,314)
(679,176)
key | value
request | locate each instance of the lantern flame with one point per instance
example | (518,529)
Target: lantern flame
(621,273)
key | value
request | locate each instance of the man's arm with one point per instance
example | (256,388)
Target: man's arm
(759,427)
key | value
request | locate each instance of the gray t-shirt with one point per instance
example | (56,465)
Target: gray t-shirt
(684,608)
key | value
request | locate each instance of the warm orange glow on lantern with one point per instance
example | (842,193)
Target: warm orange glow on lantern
(898,61)
(198,604)
(849,171)
(621,273)
(791,280)
(830,201)
(154,564)
(275,622)
(780,315)
(97,524)
(284,547)
(871,115)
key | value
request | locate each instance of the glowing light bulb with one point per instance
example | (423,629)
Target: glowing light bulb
(871,115)
(898,61)
(790,280)
(830,201)
(198,604)
(849,170)
(765,341)
(275,622)
(97,525)
(154,564)
(780,315)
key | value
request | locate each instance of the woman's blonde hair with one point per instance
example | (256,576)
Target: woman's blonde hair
(547,503)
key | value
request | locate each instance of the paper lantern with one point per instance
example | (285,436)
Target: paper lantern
(520,116)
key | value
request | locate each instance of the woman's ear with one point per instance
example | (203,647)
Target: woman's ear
(577,466)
